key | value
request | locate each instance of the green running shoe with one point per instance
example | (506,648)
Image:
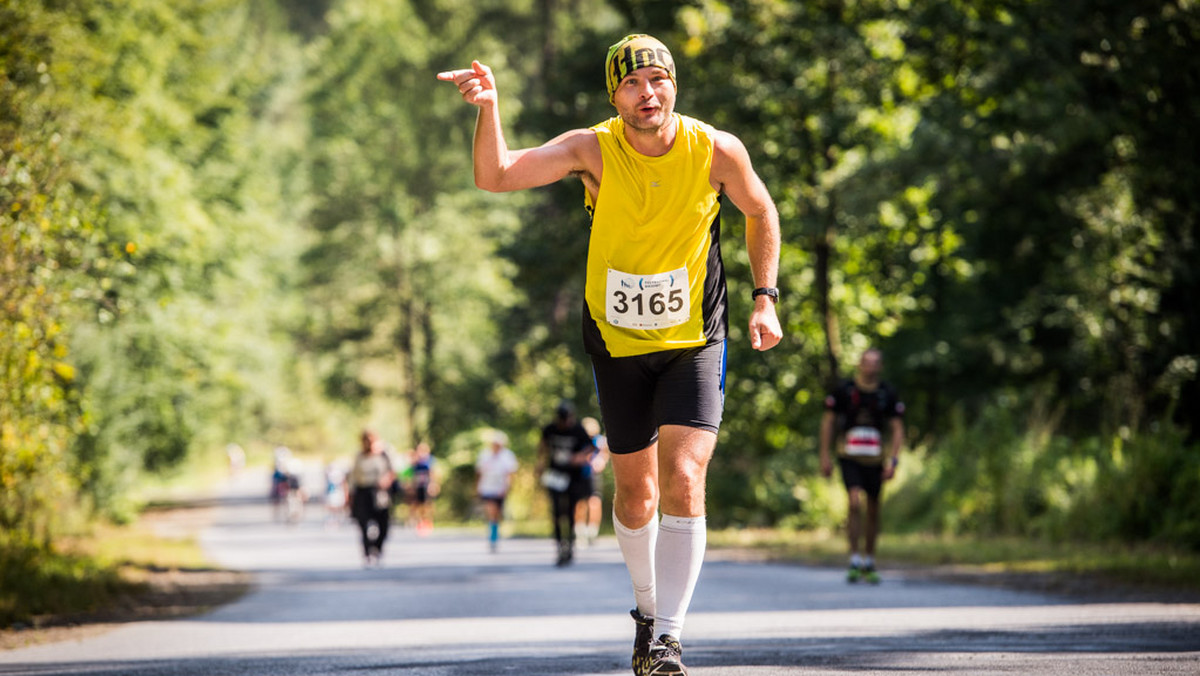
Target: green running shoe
(854,574)
(869,575)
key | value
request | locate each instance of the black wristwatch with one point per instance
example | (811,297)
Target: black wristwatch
(769,291)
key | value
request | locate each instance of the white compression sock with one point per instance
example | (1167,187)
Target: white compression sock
(637,548)
(677,561)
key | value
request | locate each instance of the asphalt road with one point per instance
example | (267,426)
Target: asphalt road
(443,604)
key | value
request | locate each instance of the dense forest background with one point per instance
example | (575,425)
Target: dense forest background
(255,222)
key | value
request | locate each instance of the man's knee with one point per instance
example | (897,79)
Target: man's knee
(635,501)
(684,498)
(684,480)
(633,513)
(683,459)
(857,496)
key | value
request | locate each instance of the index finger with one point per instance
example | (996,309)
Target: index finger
(448,75)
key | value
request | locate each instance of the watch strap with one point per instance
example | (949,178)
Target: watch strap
(769,291)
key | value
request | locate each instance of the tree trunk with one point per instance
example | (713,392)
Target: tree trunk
(824,251)
(424,396)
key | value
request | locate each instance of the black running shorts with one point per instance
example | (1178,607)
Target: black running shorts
(857,475)
(675,387)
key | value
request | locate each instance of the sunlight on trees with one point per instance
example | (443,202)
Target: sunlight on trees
(256,222)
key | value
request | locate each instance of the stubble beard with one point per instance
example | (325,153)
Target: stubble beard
(635,122)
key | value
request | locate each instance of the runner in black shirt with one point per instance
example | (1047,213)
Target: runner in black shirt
(861,414)
(564,450)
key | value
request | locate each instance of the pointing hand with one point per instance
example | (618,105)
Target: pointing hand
(476,83)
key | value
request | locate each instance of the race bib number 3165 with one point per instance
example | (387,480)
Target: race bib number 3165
(648,301)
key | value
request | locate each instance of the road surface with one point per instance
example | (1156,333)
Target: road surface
(443,605)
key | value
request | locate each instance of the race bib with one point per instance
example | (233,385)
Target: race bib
(863,441)
(648,301)
(556,481)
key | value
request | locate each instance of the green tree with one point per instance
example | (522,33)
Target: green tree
(162,134)
(402,275)
(1074,230)
(44,232)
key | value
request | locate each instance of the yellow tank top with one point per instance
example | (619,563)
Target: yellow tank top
(655,280)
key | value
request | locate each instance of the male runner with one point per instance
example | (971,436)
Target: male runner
(563,452)
(655,306)
(860,413)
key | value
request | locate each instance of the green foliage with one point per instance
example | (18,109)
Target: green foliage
(1154,487)
(255,222)
(36,581)
(403,281)
(187,155)
(45,232)
(156,156)
(1030,142)
(1008,472)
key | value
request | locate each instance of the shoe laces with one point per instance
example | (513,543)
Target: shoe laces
(666,649)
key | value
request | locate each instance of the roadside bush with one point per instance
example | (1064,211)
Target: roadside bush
(1152,488)
(37,581)
(1010,472)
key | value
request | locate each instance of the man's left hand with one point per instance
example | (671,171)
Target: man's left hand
(764,326)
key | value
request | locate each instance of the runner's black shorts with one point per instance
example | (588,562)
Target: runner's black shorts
(674,387)
(498,500)
(857,475)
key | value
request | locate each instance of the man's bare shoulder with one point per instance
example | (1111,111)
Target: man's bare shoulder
(576,139)
(731,161)
(584,146)
(727,145)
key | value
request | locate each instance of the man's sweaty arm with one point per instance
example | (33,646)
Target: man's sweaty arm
(733,173)
(498,169)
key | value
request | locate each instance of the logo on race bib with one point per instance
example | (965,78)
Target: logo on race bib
(654,301)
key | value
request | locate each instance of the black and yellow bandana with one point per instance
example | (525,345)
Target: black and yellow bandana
(632,52)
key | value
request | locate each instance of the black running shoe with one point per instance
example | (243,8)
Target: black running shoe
(643,639)
(566,553)
(666,657)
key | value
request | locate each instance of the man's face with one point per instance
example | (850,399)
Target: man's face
(871,364)
(645,99)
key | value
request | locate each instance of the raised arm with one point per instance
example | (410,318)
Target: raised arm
(733,173)
(498,169)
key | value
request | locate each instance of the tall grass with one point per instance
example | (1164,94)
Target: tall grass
(1010,472)
(88,572)
(37,581)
